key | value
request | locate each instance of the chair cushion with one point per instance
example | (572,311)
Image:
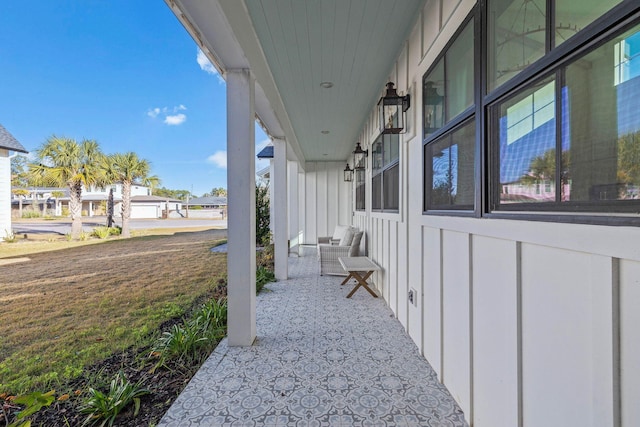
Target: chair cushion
(354,250)
(339,231)
(347,238)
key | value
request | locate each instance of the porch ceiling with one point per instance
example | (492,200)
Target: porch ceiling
(292,47)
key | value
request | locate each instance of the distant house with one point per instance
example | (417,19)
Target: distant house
(207,207)
(209,202)
(7,143)
(94,202)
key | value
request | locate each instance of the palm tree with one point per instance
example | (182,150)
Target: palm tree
(21,193)
(127,168)
(64,162)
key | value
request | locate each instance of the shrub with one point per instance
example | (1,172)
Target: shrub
(263,276)
(9,236)
(31,214)
(65,212)
(101,232)
(83,236)
(106,407)
(115,230)
(191,342)
(262,213)
(195,208)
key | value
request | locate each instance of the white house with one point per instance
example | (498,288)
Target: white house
(7,143)
(526,307)
(94,199)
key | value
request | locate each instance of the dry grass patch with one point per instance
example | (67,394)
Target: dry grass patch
(66,309)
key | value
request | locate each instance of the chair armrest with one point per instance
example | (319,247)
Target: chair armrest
(324,240)
(333,251)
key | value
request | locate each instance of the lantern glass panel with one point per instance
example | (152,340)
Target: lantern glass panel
(434,99)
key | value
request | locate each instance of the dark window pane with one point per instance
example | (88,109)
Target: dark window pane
(572,16)
(391,188)
(433,97)
(459,63)
(602,124)
(516,37)
(452,175)
(360,190)
(377,152)
(376,192)
(527,134)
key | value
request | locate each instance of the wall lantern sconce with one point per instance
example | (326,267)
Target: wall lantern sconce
(359,157)
(433,109)
(348,174)
(392,110)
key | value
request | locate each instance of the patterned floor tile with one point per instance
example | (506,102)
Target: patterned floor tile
(320,360)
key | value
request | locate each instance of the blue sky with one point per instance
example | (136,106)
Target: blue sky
(122,72)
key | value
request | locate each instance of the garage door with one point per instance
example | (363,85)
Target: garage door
(144,211)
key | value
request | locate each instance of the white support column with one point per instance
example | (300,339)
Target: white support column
(272,165)
(279,202)
(241,219)
(294,230)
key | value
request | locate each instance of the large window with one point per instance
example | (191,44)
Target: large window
(449,127)
(518,31)
(572,141)
(548,129)
(385,185)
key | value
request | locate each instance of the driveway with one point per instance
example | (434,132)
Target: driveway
(38,226)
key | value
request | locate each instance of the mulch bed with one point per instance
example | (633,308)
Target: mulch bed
(165,384)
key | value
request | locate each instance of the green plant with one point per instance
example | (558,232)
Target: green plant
(263,276)
(181,342)
(9,236)
(83,236)
(101,232)
(32,402)
(115,230)
(65,211)
(262,213)
(68,237)
(191,341)
(106,407)
(31,214)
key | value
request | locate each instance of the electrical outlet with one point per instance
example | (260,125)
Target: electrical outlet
(413,297)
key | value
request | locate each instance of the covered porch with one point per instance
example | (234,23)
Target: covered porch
(320,360)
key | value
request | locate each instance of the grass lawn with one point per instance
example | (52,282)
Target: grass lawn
(67,305)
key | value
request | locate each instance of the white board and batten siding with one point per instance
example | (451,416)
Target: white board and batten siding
(5,193)
(323,200)
(528,324)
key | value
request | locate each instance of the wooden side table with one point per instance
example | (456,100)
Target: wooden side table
(360,268)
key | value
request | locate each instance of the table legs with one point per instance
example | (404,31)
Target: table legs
(362,281)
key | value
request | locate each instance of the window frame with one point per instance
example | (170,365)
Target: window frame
(475,111)
(619,19)
(381,172)
(360,184)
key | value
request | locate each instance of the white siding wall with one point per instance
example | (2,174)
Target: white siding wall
(324,200)
(5,193)
(527,323)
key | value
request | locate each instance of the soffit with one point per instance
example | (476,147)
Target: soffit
(352,44)
(292,46)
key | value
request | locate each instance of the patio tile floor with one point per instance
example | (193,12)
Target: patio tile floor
(320,359)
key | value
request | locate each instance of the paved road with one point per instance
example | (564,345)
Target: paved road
(64,226)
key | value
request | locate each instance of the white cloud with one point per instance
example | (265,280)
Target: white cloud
(207,66)
(153,113)
(175,120)
(170,116)
(219,158)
